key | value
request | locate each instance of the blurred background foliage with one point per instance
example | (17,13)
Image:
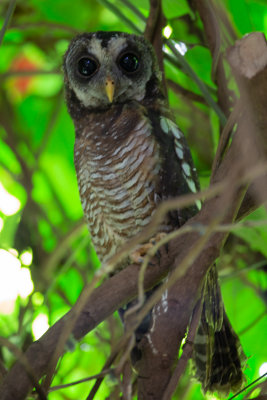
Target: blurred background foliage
(46,255)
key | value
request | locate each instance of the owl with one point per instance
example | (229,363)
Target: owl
(129,157)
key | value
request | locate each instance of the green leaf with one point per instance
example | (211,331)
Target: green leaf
(256,237)
(174,9)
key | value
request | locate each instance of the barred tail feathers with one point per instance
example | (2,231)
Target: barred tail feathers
(218,356)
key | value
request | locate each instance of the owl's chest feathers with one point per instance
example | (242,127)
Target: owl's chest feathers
(117,162)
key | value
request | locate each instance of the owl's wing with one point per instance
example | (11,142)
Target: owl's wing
(182,151)
(177,173)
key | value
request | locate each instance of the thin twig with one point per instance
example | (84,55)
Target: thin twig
(125,355)
(22,73)
(253,323)
(134,9)
(180,90)
(188,69)
(10,11)
(113,8)
(252,267)
(225,138)
(51,123)
(246,387)
(51,262)
(103,373)
(45,24)
(107,365)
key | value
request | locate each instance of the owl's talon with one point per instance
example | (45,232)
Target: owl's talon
(139,254)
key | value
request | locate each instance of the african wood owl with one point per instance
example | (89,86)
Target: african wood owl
(129,156)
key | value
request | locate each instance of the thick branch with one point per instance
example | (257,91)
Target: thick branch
(248,59)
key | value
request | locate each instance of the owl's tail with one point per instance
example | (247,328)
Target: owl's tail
(218,356)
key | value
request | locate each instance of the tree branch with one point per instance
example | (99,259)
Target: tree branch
(212,16)
(153,33)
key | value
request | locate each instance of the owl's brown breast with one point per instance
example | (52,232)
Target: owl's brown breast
(117,162)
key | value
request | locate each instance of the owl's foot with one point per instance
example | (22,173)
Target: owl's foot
(139,254)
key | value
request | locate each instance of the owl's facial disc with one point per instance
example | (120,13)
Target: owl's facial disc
(109,67)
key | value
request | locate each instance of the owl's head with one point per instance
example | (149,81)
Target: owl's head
(103,68)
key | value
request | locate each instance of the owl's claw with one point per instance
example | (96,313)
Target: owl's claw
(139,254)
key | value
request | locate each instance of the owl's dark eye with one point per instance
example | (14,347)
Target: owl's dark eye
(87,66)
(129,62)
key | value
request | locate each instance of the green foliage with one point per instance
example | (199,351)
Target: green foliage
(44,216)
(171,10)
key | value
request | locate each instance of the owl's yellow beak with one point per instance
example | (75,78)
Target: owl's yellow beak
(110,88)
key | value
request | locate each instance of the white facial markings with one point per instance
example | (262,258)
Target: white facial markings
(95,47)
(107,52)
(116,46)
